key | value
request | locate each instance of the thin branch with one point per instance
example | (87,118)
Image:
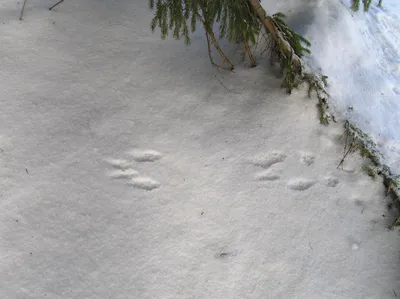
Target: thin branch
(209,31)
(59,2)
(22,10)
(258,39)
(346,150)
(210,51)
(249,53)
(216,45)
(215,66)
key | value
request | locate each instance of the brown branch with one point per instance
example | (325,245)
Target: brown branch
(277,36)
(249,53)
(210,33)
(210,51)
(212,61)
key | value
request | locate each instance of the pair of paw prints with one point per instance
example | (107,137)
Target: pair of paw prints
(123,169)
(267,161)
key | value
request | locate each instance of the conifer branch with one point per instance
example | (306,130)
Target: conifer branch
(249,53)
(210,34)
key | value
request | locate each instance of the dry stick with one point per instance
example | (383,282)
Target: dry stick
(59,2)
(212,60)
(345,153)
(216,45)
(210,33)
(22,10)
(248,50)
(210,52)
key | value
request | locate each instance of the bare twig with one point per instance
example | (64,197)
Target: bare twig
(22,10)
(209,31)
(346,149)
(215,66)
(210,51)
(258,40)
(59,2)
(249,53)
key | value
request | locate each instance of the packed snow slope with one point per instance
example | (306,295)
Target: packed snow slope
(360,53)
(128,171)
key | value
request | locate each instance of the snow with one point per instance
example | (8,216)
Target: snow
(360,53)
(128,171)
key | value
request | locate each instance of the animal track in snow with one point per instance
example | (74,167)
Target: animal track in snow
(144,183)
(120,164)
(123,174)
(145,155)
(267,175)
(124,170)
(271,175)
(331,181)
(269,159)
(300,184)
(307,158)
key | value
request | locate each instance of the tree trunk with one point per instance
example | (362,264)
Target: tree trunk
(284,46)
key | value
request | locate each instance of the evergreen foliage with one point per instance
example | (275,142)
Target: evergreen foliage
(295,40)
(355,4)
(238,20)
(235,18)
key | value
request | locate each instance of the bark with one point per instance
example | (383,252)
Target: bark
(266,20)
(249,53)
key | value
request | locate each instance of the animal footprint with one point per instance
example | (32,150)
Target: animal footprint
(145,183)
(274,157)
(307,158)
(331,181)
(124,169)
(120,164)
(269,159)
(296,167)
(145,155)
(123,174)
(300,184)
(267,175)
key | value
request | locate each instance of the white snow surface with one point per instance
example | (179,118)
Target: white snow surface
(360,53)
(128,171)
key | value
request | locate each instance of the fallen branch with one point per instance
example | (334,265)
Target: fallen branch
(249,53)
(268,23)
(212,61)
(22,10)
(59,2)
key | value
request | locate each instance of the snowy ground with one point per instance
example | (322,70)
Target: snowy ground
(128,171)
(360,53)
